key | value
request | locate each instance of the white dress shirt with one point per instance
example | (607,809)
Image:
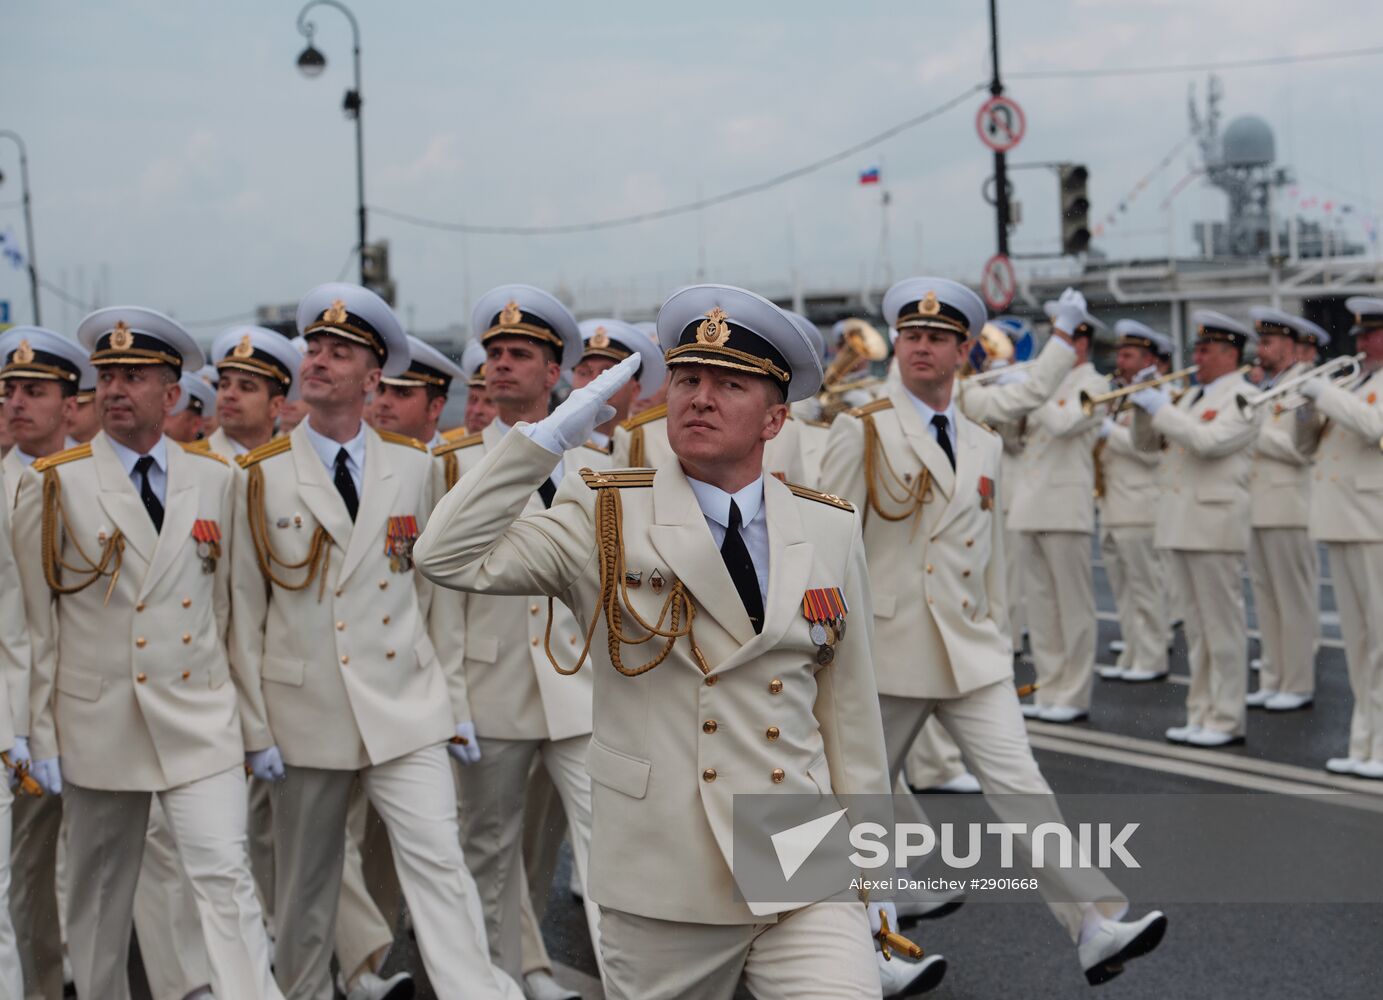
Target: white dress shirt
(158,473)
(715,506)
(927,413)
(326,450)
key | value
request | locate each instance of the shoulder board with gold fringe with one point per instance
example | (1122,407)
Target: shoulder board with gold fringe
(62,457)
(603,449)
(276,446)
(878,406)
(203,448)
(469,441)
(403,439)
(455,434)
(830,499)
(619,478)
(646,417)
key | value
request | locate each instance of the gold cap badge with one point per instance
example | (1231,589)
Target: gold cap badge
(600,338)
(243,349)
(713,331)
(121,338)
(930,305)
(335,314)
(511,313)
(24,353)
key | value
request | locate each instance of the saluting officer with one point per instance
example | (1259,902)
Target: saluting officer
(121,545)
(411,403)
(923,475)
(494,648)
(341,680)
(1283,567)
(642,440)
(1054,516)
(1128,497)
(731,695)
(1343,429)
(1203,520)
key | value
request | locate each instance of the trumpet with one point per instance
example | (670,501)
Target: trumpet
(992,374)
(1345,369)
(1089,404)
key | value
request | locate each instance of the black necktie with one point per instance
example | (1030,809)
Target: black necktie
(345,485)
(741,567)
(152,504)
(1195,395)
(939,421)
(547,491)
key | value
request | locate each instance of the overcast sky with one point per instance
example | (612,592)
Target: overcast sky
(175,149)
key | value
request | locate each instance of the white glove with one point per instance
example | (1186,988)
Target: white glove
(1150,400)
(266,765)
(1313,387)
(1011,378)
(1071,311)
(1147,373)
(464,746)
(48,773)
(1107,427)
(583,411)
(19,756)
(999,363)
(874,924)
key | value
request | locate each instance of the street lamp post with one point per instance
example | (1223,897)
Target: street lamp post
(312,62)
(28,217)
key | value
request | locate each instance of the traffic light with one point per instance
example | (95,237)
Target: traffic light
(374,270)
(1075,208)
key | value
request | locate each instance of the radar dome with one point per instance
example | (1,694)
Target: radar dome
(1248,142)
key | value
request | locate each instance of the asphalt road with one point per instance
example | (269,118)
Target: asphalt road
(1011,950)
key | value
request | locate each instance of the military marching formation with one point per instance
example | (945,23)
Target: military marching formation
(287,665)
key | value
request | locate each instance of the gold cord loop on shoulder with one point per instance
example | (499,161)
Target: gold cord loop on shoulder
(318,553)
(674,620)
(54,529)
(905,499)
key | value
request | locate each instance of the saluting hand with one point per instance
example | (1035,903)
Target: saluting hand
(584,410)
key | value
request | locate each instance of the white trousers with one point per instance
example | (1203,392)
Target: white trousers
(492,796)
(1061,615)
(934,758)
(1211,584)
(1285,576)
(106,832)
(988,725)
(415,797)
(165,916)
(1356,568)
(1140,597)
(820,952)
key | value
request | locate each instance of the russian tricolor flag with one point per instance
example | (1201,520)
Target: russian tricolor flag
(869,175)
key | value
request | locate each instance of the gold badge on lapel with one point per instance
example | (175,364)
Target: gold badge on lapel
(825,611)
(398,542)
(207,535)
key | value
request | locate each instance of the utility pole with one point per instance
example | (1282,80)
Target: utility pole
(996,88)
